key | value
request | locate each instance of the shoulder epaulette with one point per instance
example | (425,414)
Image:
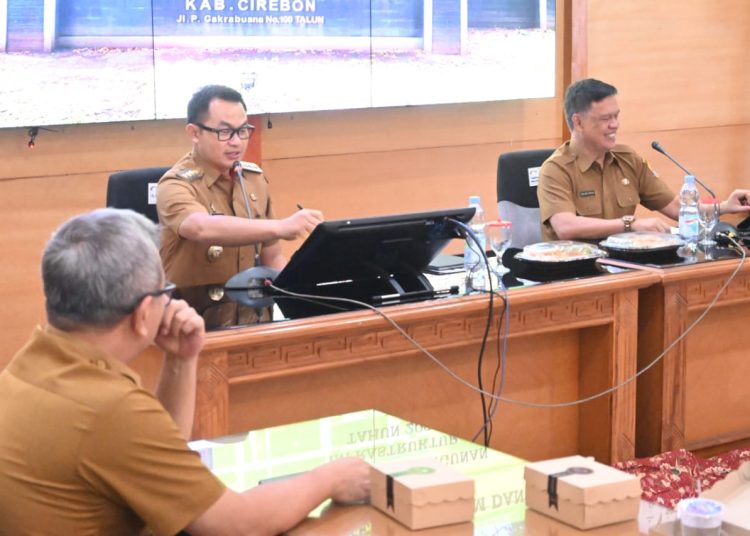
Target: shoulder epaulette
(251,166)
(190,174)
(650,168)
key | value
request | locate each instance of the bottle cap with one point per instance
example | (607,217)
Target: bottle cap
(474,199)
(689,178)
(700,513)
(500,223)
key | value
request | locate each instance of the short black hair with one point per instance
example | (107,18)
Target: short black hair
(580,95)
(198,105)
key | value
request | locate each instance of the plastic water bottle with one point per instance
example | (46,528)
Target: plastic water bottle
(474,267)
(688,220)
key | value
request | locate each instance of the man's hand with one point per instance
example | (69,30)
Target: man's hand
(182,331)
(651,224)
(737,202)
(350,479)
(300,224)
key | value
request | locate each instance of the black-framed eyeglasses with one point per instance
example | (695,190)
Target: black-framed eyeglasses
(226,134)
(167,290)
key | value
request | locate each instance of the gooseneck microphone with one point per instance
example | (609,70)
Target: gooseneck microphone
(237,169)
(254,280)
(657,147)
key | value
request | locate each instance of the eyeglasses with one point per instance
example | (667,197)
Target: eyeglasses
(168,289)
(226,134)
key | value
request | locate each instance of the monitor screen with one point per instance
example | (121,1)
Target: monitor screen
(368,259)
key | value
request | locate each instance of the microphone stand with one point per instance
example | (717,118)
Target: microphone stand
(657,147)
(253,280)
(241,179)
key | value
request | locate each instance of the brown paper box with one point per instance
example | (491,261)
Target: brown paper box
(601,496)
(423,493)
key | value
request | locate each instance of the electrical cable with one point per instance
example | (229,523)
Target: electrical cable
(653,362)
(488,409)
(737,247)
(468,233)
(501,354)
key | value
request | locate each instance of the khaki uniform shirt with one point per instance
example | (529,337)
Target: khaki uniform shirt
(570,183)
(85,450)
(189,188)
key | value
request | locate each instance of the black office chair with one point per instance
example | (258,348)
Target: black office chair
(516,194)
(135,189)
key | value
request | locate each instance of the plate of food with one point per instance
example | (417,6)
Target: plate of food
(643,246)
(560,251)
(559,259)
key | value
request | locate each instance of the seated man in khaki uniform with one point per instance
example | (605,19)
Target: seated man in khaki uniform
(84,449)
(590,187)
(207,233)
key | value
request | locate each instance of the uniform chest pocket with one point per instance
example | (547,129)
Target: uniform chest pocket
(588,204)
(627,195)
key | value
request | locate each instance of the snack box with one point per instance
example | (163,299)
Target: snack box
(582,492)
(422,493)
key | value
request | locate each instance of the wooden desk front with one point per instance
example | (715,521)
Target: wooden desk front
(696,397)
(567,340)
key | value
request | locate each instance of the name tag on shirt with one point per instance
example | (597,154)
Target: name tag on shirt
(587,193)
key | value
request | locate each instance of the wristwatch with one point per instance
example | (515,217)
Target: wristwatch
(628,222)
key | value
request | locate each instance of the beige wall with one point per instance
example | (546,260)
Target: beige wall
(682,71)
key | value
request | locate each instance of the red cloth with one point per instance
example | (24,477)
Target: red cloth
(671,476)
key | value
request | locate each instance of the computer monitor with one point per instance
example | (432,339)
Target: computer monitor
(372,259)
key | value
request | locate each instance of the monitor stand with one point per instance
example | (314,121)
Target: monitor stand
(388,289)
(407,286)
(377,289)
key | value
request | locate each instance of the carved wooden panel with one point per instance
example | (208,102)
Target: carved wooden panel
(687,291)
(701,293)
(212,396)
(283,372)
(439,331)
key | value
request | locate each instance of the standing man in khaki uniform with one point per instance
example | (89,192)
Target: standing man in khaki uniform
(590,187)
(207,234)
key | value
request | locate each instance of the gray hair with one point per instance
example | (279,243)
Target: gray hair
(97,266)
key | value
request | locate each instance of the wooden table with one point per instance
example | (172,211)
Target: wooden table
(567,340)
(696,397)
(356,520)
(242,461)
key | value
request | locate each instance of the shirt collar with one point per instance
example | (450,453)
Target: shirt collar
(584,163)
(209,175)
(88,352)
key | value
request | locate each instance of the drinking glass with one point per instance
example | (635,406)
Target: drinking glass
(708,217)
(499,236)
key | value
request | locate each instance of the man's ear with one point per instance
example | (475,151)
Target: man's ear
(139,317)
(576,118)
(192,132)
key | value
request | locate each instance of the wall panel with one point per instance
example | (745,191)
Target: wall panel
(681,68)
(678,65)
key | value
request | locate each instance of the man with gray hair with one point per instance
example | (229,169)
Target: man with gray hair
(84,449)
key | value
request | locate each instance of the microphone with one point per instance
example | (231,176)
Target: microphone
(237,169)
(254,280)
(657,147)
